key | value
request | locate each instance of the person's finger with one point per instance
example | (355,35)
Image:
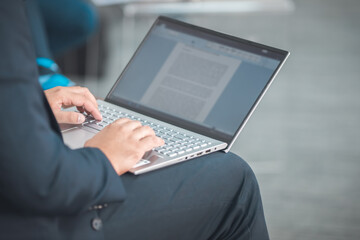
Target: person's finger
(150,142)
(130,125)
(80,109)
(85,92)
(88,113)
(92,109)
(120,121)
(78,100)
(143,131)
(91,97)
(70,117)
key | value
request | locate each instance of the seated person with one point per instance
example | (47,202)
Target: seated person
(49,191)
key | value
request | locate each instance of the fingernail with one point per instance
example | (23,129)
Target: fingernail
(81,118)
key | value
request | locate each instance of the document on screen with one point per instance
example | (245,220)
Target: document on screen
(190,82)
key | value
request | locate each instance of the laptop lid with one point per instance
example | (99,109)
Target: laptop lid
(198,79)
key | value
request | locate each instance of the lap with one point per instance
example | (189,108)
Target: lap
(190,200)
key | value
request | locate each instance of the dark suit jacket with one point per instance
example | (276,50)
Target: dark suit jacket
(46,189)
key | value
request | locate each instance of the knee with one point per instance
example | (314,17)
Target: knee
(231,173)
(236,166)
(245,212)
(240,174)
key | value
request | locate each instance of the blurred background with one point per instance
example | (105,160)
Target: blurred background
(303,140)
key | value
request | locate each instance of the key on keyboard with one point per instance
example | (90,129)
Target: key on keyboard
(176,143)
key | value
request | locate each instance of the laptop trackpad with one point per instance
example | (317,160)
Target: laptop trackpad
(76,138)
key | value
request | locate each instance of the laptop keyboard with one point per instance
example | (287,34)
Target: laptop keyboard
(176,143)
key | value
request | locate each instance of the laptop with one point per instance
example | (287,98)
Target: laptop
(195,87)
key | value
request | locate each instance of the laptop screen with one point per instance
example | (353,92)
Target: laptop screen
(197,79)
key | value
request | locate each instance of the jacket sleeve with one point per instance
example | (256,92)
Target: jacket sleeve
(38,173)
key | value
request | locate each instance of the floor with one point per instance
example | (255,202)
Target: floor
(303,140)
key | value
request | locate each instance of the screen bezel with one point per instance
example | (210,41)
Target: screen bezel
(218,37)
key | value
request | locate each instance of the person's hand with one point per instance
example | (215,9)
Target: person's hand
(59,97)
(124,142)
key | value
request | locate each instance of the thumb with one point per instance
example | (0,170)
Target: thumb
(69,117)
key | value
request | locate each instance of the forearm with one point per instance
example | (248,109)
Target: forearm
(41,174)
(38,172)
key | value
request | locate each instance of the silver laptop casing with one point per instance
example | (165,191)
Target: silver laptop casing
(75,137)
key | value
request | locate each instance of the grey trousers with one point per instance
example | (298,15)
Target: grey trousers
(212,197)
